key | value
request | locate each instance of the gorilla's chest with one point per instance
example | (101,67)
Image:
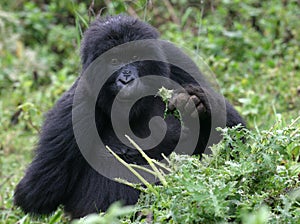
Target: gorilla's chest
(155,134)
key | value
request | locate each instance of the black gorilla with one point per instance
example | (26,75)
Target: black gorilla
(59,174)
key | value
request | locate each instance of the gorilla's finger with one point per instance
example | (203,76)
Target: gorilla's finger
(201,110)
(190,106)
(178,101)
(194,114)
(171,104)
(181,100)
(195,99)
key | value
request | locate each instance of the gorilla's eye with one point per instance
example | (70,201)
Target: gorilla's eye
(135,58)
(114,61)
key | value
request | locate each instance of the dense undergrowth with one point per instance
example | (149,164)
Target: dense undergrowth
(253,49)
(251,177)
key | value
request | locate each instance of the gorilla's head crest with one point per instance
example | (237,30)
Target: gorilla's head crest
(106,33)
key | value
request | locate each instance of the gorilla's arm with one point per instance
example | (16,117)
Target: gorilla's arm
(199,99)
(199,95)
(233,117)
(50,177)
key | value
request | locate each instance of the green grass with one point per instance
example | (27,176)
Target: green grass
(238,179)
(255,63)
(251,177)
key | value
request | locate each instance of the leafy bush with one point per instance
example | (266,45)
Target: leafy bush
(251,177)
(253,48)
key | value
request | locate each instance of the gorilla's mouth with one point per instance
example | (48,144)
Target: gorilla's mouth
(130,91)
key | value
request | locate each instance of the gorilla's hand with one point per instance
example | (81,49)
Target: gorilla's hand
(193,101)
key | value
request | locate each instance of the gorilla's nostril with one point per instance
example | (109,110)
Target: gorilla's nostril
(126,72)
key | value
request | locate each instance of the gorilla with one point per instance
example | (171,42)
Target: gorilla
(60,175)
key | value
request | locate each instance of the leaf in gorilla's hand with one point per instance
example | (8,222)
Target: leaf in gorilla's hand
(166,95)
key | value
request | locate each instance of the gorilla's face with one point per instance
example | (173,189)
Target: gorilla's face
(128,64)
(126,83)
(127,76)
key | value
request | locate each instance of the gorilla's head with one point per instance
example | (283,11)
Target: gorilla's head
(106,33)
(103,36)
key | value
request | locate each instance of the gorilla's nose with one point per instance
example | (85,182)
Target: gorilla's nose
(126,71)
(126,78)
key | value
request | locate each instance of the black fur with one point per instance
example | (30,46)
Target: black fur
(59,174)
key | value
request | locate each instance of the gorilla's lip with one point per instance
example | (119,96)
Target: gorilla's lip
(129,92)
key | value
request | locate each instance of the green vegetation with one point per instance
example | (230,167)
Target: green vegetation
(261,175)
(253,48)
(166,95)
(250,178)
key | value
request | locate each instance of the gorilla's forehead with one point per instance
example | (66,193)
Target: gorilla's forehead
(138,50)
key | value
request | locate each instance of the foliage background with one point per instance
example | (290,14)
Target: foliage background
(251,46)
